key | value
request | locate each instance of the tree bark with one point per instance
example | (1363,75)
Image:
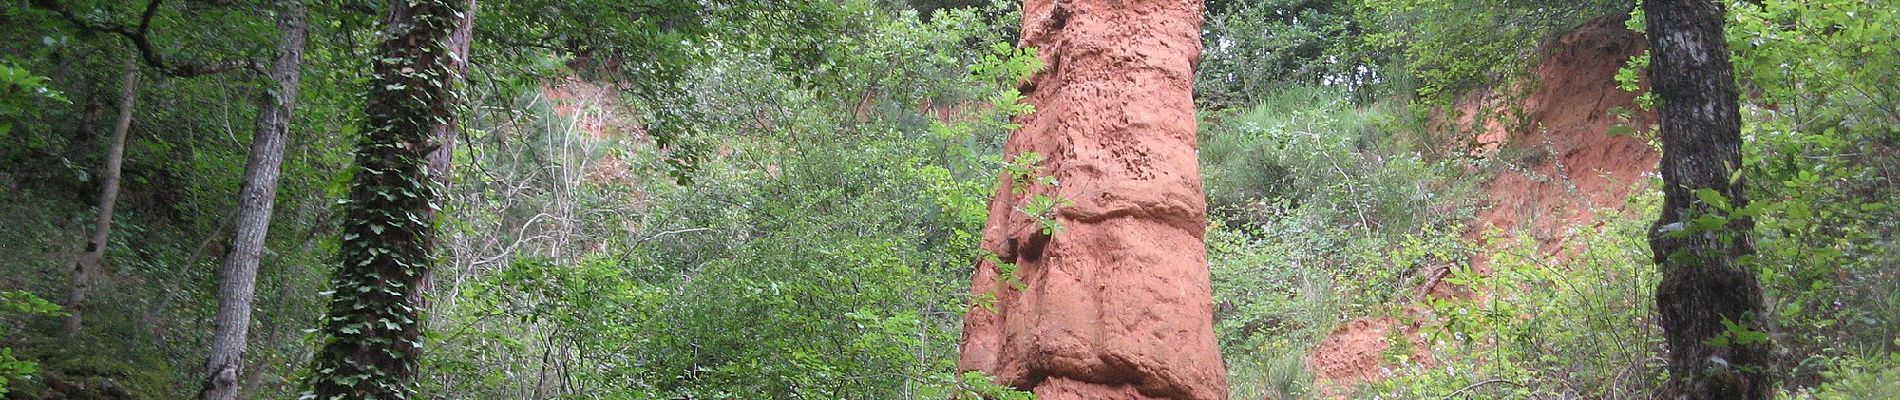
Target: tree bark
(87,265)
(445,134)
(237,282)
(374,328)
(1706,287)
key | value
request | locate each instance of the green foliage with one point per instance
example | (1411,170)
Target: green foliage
(1826,61)
(1858,376)
(1629,76)
(1319,214)
(1819,126)
(1253,48)
(20,91)
(1545,322)
(1008,271)
(783,199)
(1042,207)
(1455,46)
(975,385)
(1736,334)
(1308,153)
(1024,176)
(822,252)
(13,368)
(1269,310)
(1814,134)
(148,317)
(1011,66)
(17,304)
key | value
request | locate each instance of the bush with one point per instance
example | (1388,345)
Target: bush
(1579,325)
(1319,215)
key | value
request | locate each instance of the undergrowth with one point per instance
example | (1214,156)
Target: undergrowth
(1575,325)
(1319,216)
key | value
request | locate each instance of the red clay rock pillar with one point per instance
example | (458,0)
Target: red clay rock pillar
(1117,304)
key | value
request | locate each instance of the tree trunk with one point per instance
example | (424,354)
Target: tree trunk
(88,263)
(374,328)
(1709,300)
(445,134)
(1116,304)
(237,282)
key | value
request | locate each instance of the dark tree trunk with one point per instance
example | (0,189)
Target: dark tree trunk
(238,275)
(87,265)
(1706,286)
(374,328)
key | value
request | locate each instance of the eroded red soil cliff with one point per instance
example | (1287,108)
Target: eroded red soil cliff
(1566,157)
(1117,304)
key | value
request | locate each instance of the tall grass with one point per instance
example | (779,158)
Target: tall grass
(1309,147)
(1323,212)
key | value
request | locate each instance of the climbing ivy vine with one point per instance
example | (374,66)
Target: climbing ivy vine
(374,328)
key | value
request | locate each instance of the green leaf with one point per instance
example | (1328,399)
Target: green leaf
(1712,198)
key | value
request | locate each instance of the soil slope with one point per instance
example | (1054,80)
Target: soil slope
(1565,161)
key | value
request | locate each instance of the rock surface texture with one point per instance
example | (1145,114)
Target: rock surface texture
(1116,304)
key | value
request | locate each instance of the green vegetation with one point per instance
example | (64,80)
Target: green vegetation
(784,199)
(1319,214)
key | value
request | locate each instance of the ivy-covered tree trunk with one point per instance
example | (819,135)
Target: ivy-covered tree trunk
(1709,300)
(374,327)
(87,265)
(237,282)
